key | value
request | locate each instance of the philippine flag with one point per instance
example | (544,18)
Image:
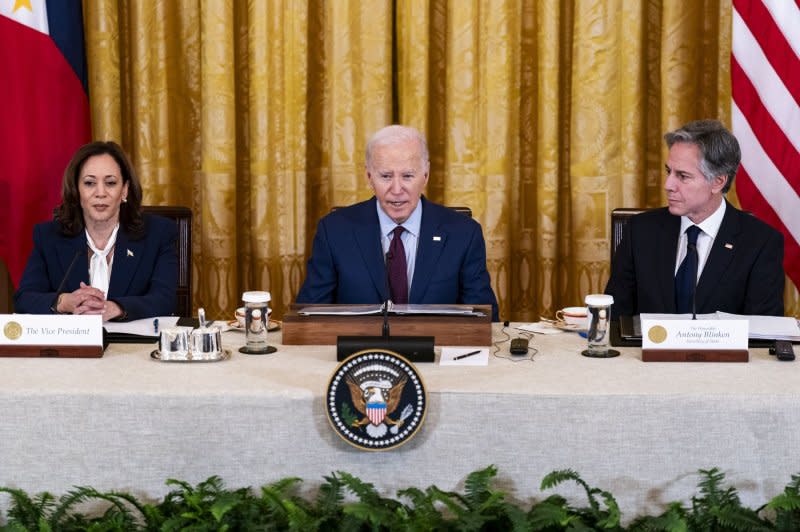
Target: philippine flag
(44,115)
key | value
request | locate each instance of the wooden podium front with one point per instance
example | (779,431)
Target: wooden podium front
(446,329)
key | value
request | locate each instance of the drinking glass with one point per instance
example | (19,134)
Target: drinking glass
(599,314)
(256,323)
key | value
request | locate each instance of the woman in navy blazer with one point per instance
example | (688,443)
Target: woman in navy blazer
(100,254)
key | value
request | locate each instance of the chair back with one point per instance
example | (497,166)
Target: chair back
(183,218)
(619,218)
(466,211)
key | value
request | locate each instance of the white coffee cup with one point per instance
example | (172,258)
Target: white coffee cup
(572,315)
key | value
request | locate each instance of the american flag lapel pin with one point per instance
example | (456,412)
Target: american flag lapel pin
(728,246)
(130,253)
(437,238)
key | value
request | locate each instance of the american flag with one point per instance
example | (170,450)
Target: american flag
(765,111)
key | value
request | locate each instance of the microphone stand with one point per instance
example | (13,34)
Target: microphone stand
(60,289)
(692,248)
(388,299)
(414,348)
(386,319)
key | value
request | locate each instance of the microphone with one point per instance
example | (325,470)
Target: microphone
(692,248)
(388,298)
(414,348)
(60,289)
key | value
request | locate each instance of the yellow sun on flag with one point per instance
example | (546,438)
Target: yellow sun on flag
(22,3)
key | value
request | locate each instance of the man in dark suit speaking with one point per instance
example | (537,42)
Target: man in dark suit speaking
(700,243)
(421,251)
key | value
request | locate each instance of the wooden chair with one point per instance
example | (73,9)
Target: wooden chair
(183,218)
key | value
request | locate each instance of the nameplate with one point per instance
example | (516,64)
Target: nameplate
(60,335)
(666,340)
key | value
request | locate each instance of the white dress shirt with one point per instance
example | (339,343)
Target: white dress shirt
(410,236)
(708,232)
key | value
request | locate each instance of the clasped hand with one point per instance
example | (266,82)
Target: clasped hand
(88,300)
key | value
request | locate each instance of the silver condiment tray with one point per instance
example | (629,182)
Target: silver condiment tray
(225,354)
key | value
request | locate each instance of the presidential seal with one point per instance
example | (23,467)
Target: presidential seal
(12,330)
(376,400)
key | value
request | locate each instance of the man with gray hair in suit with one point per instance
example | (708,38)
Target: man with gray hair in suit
(424,252)
(698,254)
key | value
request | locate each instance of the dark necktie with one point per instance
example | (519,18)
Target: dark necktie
(396,264)
(686,277)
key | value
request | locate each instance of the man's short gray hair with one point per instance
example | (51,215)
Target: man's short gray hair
(394,135)
(719,150)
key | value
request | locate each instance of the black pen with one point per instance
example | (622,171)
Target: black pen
(465,355)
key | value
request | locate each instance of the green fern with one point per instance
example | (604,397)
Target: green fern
(558,477)
(330,495)
(786,507)
(552,513)
(455,503)
(481,507)
(477,486)
(282,507)
(119,510)
(672,520)
(593,516)
(719,508)
(207,506)
(421,513)
(363,490)
(45,513)
(28,512)
(370,509)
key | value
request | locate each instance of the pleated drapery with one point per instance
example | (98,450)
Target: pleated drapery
(541,115)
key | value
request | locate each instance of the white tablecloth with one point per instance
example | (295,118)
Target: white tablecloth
(639,430)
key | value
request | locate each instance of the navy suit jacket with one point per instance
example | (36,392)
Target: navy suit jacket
(743,273)
(144,274)
(347,263)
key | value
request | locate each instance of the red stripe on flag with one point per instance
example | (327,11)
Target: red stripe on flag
(772,139)
(44,118)
(770,38)
(752,200)
(769,134)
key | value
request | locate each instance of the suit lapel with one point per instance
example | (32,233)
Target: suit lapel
(720,256)
(665,264)
(127,254)
(428,252)
(368,239)
(67,250)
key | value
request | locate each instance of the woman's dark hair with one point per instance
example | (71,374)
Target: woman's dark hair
(70,214)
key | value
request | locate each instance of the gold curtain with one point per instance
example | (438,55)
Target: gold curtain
(542,116)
